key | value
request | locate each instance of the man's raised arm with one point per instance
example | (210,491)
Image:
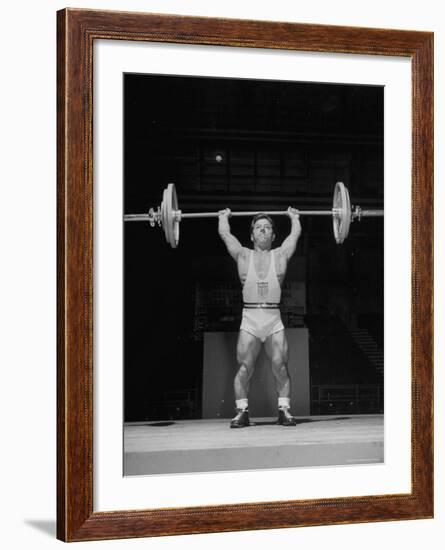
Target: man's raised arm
(233,245)
(290,242)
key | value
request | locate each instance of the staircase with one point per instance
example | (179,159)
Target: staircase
(370,349)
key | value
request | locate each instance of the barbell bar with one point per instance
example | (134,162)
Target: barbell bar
(168,216)
(181,215)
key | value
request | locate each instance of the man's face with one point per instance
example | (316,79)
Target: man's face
(262,234)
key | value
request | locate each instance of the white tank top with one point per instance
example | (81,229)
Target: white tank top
(256,290)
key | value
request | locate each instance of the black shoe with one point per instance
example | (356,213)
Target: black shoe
(285,418)
(241,419)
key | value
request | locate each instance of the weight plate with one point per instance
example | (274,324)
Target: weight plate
(341,216)
(170,214)
(175,209)
(164,220)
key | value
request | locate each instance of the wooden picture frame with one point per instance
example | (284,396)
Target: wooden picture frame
(77,31)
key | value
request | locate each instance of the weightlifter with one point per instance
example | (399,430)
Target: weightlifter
(261,271)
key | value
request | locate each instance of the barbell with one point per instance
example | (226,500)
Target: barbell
(168,216)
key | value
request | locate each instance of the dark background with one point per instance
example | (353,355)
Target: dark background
(282,143)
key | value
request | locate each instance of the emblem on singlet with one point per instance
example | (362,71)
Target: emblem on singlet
(263,289)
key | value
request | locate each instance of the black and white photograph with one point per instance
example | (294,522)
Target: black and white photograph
(253,274)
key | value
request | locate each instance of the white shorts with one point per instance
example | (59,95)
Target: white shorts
(261,323)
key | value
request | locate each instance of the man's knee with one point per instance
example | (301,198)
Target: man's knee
(244,371)
(278,358)
(279,366)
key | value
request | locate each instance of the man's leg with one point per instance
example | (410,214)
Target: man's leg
(277,351)
(247,350)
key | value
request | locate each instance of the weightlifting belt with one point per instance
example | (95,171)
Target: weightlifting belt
(262,305)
